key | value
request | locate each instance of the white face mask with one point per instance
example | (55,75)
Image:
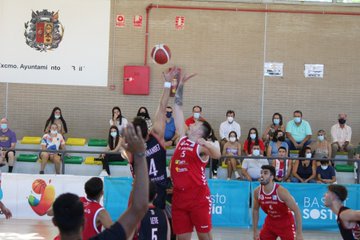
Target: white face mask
(196,115)
(256,152)
(230,119)
(57,116)
(324,167)
(113,134)
(308,155)
(253,136)
(321,138)
(232,139)
(53,132)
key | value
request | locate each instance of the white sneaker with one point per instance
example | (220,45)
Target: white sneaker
(103,173)
(214,177)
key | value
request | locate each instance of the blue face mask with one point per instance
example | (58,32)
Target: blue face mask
(253,136)
(276,121)
(4,126)
(113,134)
(168,114)
(297,119)
(256,152)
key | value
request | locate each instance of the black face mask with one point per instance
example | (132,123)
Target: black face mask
(143,115)
(281,139)
(342,121)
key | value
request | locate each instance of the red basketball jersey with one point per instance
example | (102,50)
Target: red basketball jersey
(273,206)
(187,167)
(91,210)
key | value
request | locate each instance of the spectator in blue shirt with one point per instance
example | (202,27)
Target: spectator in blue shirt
(325,173)
(298,132)
(170,134)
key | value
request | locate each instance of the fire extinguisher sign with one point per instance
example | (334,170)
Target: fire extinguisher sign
(120,21)
(179,22)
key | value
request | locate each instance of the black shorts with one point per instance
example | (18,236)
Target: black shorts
(6,154)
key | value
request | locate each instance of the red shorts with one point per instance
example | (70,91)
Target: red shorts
(191,210)
(283,229)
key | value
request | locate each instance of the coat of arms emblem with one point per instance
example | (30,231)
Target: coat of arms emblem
(44,31)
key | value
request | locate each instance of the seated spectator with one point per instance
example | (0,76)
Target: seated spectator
(325,173)
(341,137)
(232,148)
(282,174)
(118,120)
(298,132)
(278,140)
(321,146)
(270,131)
(170,134)
(227,126)
(215,162)
(251,167)
(253,138)
(114,145)
(304,171)
(52,141)
(57,118)
(7,143)
(144,113)
(197,111)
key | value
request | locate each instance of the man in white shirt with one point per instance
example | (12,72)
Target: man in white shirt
(251,167)
(227,126)
(341,137)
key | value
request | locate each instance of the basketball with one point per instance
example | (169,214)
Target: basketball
(38,186)
(161,54)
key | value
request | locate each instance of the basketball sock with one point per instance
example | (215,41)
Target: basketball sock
(10,169)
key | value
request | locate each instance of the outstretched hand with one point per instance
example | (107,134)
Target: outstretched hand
(134,140)
(169,75)
(185,78)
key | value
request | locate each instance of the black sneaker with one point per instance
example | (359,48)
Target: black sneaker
(41,172)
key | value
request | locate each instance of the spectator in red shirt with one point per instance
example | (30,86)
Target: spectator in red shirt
(253,138)
(197,111)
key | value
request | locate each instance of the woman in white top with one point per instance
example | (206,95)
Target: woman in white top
(118,120)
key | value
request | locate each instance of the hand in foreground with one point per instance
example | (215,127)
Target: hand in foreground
(6,212)
(134,140)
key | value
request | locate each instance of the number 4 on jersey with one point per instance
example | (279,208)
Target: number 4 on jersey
(152,168)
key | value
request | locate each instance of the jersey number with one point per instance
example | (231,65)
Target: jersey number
(152,168)
(153,234)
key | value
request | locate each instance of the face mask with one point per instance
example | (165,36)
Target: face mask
(276,121)
(196,115)
(308,155)
(321,138)
(281,138)
(168,114)
(57,116)
(142,114)
(256,152)
(297,119)
(253,136)
(3,126)
(232,139)
(324,167)
(113,134)
(53,132)
(342,121)
(230,119)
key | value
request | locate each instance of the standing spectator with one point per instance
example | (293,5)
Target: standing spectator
(114,145)
(270,131)
(170,134)
(118,120)
(232,149)
(304,171)
(253,139)
(228,126)
(53,140)
(298,132)
(57,118)
(197,111)
(325,173)
(341,137)
(7,141)
(282,174)
(251,167)
(144,114)
(277,141)
(215,162)
(321,146)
